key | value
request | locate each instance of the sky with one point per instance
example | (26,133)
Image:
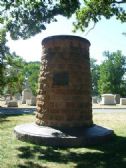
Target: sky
(106,36)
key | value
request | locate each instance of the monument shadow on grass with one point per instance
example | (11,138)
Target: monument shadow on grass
(111,154)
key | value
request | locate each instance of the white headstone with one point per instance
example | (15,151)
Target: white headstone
(108,99)
(122,101)
(31,102)
(26,94)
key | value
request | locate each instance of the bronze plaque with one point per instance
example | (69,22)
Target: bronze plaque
(60,79)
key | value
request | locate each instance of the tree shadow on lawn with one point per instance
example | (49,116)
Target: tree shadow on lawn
(3,118)
(31,165)
(109,155)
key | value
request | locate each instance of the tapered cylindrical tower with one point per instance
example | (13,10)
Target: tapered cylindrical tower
(64,109)
(64,89)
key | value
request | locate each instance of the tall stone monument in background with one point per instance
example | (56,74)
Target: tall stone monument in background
(64,104)
(26,94)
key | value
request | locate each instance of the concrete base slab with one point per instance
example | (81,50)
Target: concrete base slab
(70,137)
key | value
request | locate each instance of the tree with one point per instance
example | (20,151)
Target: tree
(4,51)
(25,18)
(13,69)
(12,75)
(10,67)
(94,10)
(31,73)
(95,76)
(112,72)
(16,72)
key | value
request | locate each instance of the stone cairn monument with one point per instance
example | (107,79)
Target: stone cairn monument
(64,98)
(64,103)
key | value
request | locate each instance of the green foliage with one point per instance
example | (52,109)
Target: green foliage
(10,67)
(4,50)
(112,71)
(94,10)
(25,18)
(95,76)
(15,74)
(12,76)
(14,70)
(31,72)
(4,55)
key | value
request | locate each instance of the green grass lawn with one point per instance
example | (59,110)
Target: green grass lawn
(17,154)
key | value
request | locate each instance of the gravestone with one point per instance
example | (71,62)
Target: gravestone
(94,100)
(17,96)
(117,98)
(122,101)
(64,103)
(108,99)
(7,99)
(12,103)
(32,101)
(26,94)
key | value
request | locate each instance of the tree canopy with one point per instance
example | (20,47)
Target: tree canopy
(13,77)
(94,10)
(31,72)
(112,74)
(25,18)
(94,67)
(16,73)
(4,52)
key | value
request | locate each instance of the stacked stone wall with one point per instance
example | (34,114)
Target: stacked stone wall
(64,89)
